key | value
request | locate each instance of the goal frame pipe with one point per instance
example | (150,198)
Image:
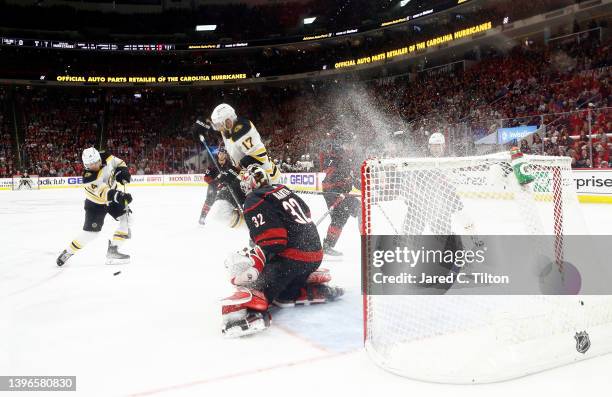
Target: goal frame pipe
(365,227)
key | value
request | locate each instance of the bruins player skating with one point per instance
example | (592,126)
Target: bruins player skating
(283,268)
(243,143)
(102,172)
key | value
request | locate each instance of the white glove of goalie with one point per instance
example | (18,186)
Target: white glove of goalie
(245,265)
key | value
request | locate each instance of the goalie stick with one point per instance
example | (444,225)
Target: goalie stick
(214,161)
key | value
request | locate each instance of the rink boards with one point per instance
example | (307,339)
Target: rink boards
(592,186)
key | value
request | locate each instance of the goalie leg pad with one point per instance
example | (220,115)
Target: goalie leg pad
(244,313)
(312,294)
(319,276)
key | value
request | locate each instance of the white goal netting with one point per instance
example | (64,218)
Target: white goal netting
(465,339)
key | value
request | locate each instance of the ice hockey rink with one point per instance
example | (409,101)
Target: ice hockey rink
(154,328)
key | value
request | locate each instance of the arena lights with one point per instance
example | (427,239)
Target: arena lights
(404,2)
(205,28)
(308,21)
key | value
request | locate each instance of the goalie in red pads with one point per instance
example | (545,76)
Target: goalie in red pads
(283,267)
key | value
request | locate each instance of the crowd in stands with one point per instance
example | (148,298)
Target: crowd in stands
(563,89)
(7,166)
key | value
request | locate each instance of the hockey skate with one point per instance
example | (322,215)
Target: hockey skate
(312,294)
(253,323)
(202,220)
(63,258)
(244,313)
(114,257)
(330,251)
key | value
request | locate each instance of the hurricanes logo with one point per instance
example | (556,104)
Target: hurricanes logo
(583,342)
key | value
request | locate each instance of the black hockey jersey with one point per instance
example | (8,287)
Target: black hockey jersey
(340,168)
(212,172)
(279,222)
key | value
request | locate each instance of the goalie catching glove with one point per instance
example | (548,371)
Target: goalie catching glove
(245,266)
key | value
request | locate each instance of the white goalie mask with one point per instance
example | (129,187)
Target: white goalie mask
(90,156)
(254,177)
(220,114)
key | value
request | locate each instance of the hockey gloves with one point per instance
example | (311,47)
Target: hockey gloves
(244,266)
(122,175)
(119,197)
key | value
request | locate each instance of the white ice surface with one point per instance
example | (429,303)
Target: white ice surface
(154,329)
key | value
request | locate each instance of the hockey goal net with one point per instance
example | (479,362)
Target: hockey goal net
(31,182)
(470,338)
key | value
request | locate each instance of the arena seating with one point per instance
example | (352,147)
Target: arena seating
(550,87)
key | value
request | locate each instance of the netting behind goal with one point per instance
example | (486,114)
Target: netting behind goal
(464,339)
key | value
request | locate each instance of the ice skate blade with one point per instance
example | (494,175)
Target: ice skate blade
(115,261)
(330,258)
(240,330)
(306,302)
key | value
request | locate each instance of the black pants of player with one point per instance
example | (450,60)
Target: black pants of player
(211,194)
(340,214)
(95,214)
(283,278)
(225,194)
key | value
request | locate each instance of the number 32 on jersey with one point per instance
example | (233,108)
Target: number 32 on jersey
(291,206)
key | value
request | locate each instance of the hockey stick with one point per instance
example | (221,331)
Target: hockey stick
(214,161)
(127,212)
(340,198)
(318,193)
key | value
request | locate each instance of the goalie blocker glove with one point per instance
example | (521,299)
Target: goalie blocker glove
(244,267)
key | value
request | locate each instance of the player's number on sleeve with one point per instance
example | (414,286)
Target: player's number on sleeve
(296,211)
(248,143)
(258,220)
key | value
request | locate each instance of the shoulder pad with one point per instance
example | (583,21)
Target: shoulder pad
(104,156)
(241,128)
(89,176)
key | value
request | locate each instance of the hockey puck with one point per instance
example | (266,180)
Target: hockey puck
(116,273)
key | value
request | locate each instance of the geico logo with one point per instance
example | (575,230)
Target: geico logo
(154,179)
(75,181)
(302,179)
(180,179)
